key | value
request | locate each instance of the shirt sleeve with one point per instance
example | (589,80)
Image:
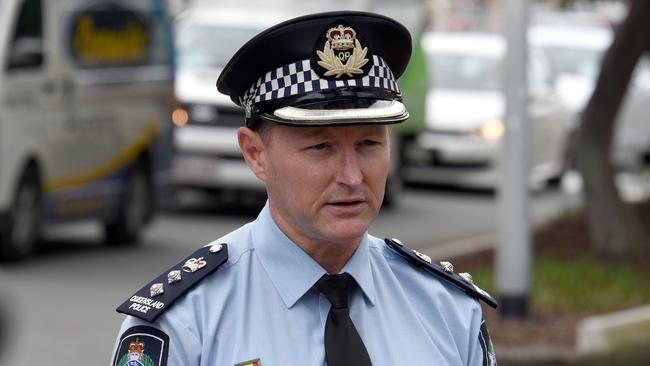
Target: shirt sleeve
(165,343)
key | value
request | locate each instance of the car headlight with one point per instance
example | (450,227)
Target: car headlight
(180,117)
(491,130)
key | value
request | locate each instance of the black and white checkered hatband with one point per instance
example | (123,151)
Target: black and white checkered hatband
(299,78)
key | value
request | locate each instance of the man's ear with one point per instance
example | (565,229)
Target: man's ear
(253,149)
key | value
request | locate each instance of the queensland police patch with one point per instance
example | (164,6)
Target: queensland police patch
(489,357)
(142,346)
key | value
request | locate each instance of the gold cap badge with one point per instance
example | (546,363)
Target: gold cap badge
(349,57)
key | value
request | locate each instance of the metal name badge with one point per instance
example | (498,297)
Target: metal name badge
(194,264)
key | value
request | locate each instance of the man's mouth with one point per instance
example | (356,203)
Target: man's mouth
(347,207)
(347,203)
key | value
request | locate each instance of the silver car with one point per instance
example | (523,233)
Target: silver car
(465,115)
(576,52)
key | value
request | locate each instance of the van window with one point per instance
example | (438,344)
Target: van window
(27,42)
(109,36)
(458,71)
(210,45)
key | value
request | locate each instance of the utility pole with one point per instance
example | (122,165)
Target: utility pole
(513,256)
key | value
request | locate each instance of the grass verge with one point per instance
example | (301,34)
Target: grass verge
(588,284)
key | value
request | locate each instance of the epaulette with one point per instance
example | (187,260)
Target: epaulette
(158,295)
(444,270)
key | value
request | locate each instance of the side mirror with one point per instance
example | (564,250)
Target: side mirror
(26,53)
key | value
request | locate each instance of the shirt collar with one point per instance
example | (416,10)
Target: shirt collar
(359,267)
(292,271)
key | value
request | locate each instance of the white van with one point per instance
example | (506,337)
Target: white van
(85,94)
(207,156)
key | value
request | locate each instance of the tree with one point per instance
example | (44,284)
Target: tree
(614,227)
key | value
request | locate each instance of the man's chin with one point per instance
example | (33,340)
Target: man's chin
(347,230)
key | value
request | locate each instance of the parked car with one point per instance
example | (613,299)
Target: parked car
(466,109)
(576,53)
(84,130)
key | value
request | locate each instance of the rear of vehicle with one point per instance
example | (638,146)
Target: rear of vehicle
(465,115)
(85,88)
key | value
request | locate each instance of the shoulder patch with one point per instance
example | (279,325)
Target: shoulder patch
(158,295)
(462,281)
(142,346)
(489,357)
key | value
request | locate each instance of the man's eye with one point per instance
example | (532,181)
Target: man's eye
(369,142)
(320,146)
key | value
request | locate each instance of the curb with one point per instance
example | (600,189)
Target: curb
(614,331)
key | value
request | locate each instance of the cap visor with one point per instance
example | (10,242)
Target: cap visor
(331,113)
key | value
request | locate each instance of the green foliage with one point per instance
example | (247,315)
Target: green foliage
(413,85)
(584,285)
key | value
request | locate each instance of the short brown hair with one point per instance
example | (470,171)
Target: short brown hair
(263,128)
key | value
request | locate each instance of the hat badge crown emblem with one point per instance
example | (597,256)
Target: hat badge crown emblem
(341,38)
(350,56)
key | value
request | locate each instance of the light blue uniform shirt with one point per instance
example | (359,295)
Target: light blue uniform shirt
(262,304)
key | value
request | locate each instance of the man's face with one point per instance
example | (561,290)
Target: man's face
(325,184)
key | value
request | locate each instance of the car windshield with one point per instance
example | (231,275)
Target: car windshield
(210,46)
(453,71)
(579,62)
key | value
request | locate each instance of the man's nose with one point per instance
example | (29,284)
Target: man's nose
(349,172)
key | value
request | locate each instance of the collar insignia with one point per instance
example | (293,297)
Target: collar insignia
(193,264)
(156,289)
(342,53)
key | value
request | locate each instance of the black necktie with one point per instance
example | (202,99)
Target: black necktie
(343,345)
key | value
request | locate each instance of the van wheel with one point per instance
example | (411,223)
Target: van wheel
(135,209)
(20,227)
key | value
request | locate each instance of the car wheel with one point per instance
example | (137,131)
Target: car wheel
(20,228)
(135,209)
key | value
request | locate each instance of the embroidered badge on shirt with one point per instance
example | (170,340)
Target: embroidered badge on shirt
(489,357)
(142,346)
(255,362)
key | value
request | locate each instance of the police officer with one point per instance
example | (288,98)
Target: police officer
(305,284)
